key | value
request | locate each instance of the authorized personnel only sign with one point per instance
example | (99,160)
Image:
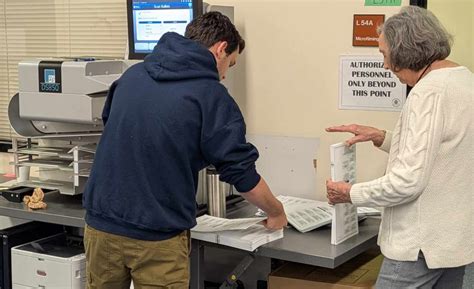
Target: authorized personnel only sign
(365,85)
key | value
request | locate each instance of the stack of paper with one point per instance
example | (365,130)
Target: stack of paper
(248,239)
(207,223)
(243,234)
(343,168)
(305,214)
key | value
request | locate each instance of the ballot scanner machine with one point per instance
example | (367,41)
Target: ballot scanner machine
(58,110)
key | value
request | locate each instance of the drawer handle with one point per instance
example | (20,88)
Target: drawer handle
(41,272)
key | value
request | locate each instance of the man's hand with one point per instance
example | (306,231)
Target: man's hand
(338,192)
(361,133)
(276,222)
(262,197)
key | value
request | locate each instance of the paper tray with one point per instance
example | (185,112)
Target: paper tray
(16,194)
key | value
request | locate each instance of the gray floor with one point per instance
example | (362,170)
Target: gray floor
(469,277)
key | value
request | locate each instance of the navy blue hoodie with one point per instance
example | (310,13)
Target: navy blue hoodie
(165,119)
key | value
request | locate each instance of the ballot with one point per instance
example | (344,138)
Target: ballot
(206,223)
(305,214)
(244,233)
(248,239)
(343,168)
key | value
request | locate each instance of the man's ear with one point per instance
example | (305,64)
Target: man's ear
(221,46)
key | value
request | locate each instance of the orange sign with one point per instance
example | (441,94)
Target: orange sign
(365,29)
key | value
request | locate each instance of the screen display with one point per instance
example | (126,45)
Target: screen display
(151,19)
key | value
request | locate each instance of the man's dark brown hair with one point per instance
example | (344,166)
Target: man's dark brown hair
(212,27)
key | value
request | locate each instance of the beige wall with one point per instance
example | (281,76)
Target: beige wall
(287,78)
(456,15)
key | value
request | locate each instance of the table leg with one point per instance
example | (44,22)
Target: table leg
(197,262)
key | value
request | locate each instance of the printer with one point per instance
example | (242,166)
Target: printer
(53,262)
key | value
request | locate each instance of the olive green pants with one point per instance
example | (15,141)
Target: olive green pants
(114,261)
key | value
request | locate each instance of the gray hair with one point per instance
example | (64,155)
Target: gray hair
(415,39)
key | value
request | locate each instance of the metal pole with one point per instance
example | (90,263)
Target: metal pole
(197,263)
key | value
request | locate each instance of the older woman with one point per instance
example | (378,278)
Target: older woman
(427,228)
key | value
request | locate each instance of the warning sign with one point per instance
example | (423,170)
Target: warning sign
(364,84)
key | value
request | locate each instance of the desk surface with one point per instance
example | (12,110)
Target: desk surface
(62,209)
(312,248)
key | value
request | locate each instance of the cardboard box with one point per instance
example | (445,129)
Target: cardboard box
(358,273)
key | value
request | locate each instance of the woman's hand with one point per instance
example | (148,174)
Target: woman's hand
(361,133)
(338,192)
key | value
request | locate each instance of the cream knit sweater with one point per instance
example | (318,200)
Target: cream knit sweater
(427,191)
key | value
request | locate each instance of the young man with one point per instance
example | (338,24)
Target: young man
(166,119)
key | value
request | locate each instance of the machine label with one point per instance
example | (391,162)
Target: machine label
(50,76)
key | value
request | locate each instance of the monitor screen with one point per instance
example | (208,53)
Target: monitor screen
(148,20)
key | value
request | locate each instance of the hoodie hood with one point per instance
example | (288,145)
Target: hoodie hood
(177,58)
